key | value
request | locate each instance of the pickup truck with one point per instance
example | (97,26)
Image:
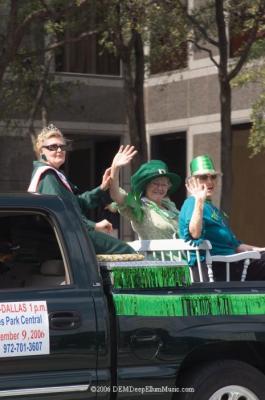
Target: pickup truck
(66,332)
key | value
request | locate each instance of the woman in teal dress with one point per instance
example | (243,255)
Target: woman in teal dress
(201,220)
(50,147)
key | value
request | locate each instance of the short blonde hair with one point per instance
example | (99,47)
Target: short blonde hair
(48,132)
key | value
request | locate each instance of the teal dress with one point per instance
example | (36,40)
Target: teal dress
(215,228)
(50,183)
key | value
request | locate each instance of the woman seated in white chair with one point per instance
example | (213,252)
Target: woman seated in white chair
(201,220)
(147,206)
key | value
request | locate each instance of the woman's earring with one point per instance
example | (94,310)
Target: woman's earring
(43,157)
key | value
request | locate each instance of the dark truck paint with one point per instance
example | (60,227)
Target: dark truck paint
(95,353)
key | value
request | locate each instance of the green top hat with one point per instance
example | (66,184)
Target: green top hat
(202,165)
(149,171)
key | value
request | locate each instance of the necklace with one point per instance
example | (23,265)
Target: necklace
(166,212)
(217,215)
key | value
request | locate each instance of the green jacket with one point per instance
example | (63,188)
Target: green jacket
(51,184)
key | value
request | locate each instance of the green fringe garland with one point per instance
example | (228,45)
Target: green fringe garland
(150,277)
(189,305)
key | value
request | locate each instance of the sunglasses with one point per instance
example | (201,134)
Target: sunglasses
(55,147)
(205,177)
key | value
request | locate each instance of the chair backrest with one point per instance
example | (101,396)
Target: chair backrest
(52,273)
(52,268)
(168,244)
(171,248)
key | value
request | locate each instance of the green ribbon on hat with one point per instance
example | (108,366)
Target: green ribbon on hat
(133,201)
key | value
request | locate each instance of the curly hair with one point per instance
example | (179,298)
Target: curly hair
(48,132)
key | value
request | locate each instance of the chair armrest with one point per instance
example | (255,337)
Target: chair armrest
(237,256)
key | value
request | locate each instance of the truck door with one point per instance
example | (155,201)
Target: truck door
(48,331)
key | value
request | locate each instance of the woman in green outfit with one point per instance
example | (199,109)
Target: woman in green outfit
(148,207)
(50,147)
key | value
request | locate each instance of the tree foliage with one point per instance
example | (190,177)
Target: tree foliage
(30,32)
(124,29)
(128,27)
(254,72)
(212,26)
(121,26)
(168,37)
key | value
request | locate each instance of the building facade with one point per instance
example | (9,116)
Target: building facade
(185,104)
(183,120)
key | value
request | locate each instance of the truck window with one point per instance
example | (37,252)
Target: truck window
(30,253)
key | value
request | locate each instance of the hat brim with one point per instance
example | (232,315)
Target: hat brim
(175,181)
(206,171)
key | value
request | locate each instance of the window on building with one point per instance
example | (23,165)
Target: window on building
(86,57)
(237,33)
(240,21)
(168,46)
(169,59)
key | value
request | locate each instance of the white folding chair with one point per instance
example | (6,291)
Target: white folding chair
(247,256)
(177,249)
(180,247)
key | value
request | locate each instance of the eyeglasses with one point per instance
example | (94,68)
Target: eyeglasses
(55,147)
(205,177)
(162,185)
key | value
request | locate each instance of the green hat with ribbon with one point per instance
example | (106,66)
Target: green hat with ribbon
(202,165)
(149,171)
(145,174)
